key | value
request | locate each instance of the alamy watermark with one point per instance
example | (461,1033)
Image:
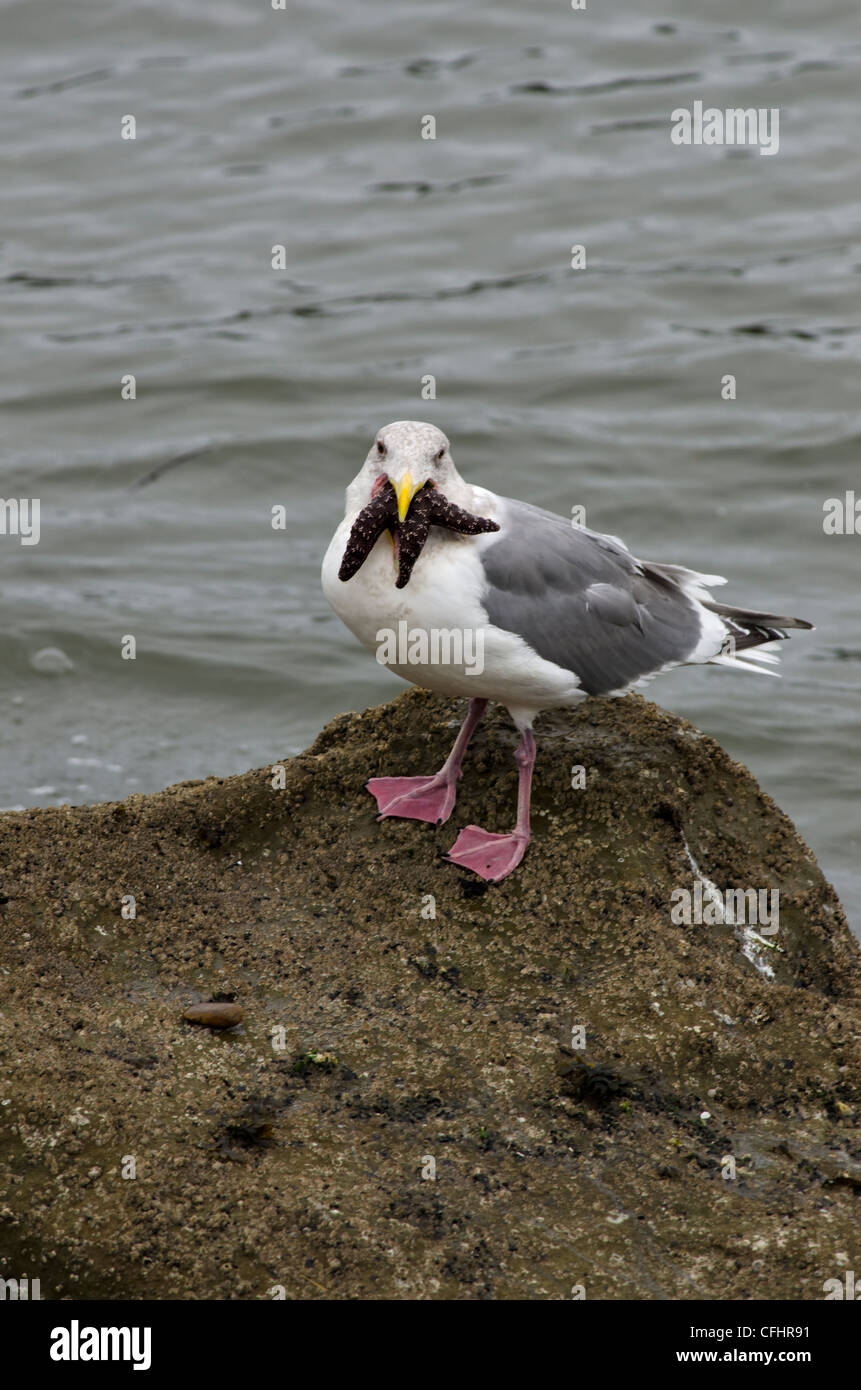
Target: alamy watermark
(733,126)
(844,1288)
(77,1343)
(435,646)
(736,906)
(842,515)
(20,1290)
(20,516)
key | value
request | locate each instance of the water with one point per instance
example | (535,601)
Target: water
(258,388)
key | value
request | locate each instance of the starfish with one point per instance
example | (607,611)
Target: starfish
(429,507)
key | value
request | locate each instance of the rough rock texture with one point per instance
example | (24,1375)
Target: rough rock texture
(295,1158)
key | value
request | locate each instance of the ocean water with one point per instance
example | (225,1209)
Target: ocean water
(405,257)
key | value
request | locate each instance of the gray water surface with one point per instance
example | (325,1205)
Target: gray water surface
(408,257)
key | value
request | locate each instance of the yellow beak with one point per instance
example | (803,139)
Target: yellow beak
(406,491)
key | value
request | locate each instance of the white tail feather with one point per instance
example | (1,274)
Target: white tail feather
(747,661)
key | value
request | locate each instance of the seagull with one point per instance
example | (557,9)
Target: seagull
(464,592)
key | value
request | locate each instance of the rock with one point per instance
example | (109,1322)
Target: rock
(214,1015)
(507,1087)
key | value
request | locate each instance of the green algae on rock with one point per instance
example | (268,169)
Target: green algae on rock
(703,1144)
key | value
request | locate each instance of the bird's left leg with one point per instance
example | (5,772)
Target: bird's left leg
(492,856)
(427,798)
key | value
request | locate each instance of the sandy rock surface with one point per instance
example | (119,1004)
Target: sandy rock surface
(401,1114)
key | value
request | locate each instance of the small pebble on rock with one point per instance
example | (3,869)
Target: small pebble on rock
(214,1015)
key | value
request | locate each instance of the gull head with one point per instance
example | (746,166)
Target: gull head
(409,454)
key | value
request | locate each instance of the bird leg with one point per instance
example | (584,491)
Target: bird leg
(427,798)
(492,856)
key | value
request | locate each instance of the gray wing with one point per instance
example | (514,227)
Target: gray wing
(582,601)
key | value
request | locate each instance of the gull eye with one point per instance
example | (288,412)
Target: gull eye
(440,455)
(381,448)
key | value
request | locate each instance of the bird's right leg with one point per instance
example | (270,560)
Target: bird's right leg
(494,857)
(427,798)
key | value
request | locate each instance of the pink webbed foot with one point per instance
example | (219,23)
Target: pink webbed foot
(414,798)
(492,857)
(427,798)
